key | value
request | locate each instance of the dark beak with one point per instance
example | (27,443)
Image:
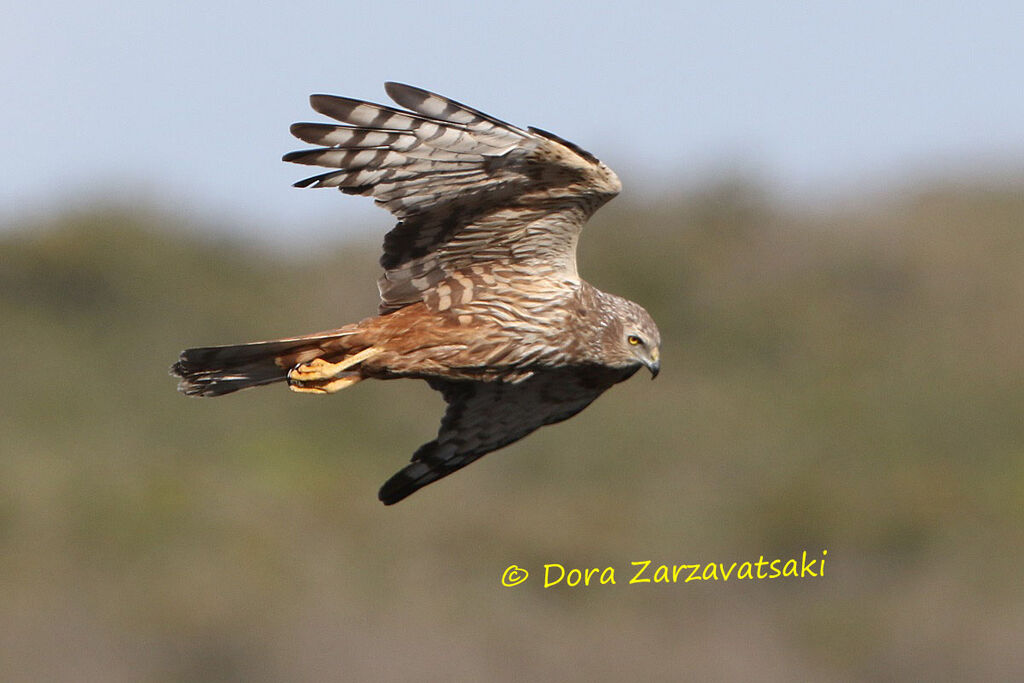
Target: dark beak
(654,366)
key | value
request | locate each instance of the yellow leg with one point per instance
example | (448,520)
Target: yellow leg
(320,369)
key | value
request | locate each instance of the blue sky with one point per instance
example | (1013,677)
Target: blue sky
(187,104)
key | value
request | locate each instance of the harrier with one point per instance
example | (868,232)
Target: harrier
(480,295)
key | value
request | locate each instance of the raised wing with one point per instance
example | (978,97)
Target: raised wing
(467,188)
(485,416)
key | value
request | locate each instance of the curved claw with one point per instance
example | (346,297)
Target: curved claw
(320,369)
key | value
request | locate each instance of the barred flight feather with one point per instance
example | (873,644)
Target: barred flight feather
(462,182)
(438,107)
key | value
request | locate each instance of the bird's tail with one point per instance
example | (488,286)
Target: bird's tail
(219,370)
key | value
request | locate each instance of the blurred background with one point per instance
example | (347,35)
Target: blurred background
(823,210)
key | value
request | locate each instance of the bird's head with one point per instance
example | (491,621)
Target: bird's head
(634,339)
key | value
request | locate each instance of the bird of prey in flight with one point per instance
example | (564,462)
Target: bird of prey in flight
(480,295)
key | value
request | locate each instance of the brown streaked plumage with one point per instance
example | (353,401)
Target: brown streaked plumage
(480,295)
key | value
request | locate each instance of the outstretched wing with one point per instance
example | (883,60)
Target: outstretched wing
(485,416)
(467,189)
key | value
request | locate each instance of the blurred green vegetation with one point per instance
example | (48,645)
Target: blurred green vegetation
(849,379)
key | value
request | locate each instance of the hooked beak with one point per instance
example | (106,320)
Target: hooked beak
(654,363)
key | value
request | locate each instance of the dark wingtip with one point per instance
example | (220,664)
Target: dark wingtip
(402,93)
(319,98)
(309,157)
(410,478)
(397,488)
(309,182)
(388,498)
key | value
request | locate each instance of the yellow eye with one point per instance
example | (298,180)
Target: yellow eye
(634,340)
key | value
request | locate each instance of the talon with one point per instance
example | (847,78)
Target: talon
(315,369)
(320,369)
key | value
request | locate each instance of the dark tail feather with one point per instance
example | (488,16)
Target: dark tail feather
(219,370)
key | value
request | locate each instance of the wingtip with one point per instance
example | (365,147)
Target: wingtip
(382,497)
(298,154)
(397,488)
(390,493)
(408,480)
(323,103)
(404,94)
